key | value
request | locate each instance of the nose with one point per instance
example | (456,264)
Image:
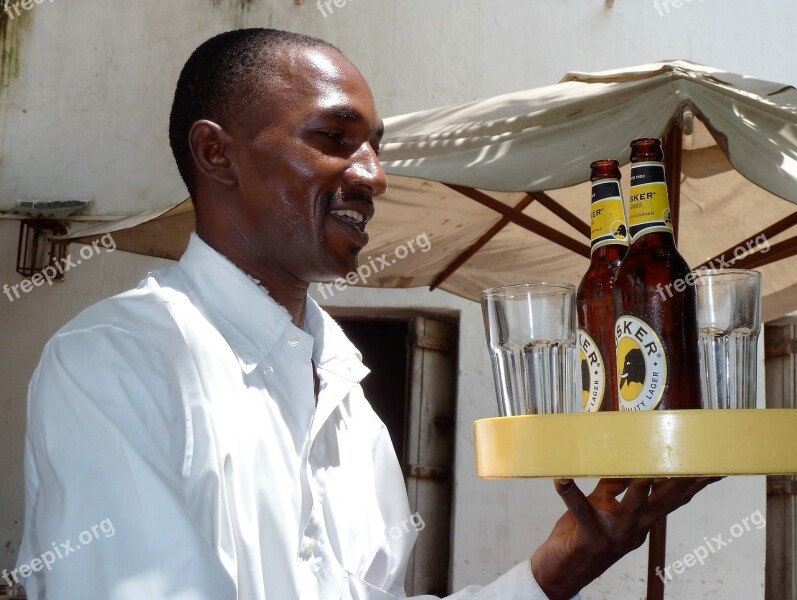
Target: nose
(365,173)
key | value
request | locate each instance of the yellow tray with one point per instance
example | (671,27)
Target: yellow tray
(640,444)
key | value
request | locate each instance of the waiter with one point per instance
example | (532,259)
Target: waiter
(213,417)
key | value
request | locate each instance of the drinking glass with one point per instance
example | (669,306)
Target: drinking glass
(729,323)
(532,338)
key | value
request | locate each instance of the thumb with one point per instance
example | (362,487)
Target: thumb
(575,500)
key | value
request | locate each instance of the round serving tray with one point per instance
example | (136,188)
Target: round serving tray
(660,443)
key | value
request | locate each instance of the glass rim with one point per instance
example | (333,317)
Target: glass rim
(550,285)
(713,274)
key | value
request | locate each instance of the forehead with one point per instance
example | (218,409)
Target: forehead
(317,79)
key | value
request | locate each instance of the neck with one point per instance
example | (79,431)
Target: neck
(287,290)
(292,297)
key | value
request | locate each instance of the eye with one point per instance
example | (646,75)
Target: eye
(335,136)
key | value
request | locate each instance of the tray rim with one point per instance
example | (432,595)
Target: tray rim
(745,441)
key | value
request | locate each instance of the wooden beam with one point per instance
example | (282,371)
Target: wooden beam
(561,212)
(478,244)
(767,232)
(776,252)
(672,147)
(518,218)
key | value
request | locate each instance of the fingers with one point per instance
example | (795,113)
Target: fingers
(636,498)
(576,501)
(670,494)
(610,488)
(677,491)
(645,501)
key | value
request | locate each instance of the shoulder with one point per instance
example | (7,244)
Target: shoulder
(130,339)
(118,366)
(146,312)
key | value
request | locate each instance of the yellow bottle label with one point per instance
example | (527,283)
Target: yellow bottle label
(641,364)
(649,206)
(593,372)
(608,214)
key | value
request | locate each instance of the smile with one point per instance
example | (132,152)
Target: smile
(353,215)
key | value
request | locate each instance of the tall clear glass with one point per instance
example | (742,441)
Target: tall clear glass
(729,323)
(532,337)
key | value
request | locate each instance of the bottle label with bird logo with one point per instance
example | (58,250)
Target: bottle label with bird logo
(641,364)
(593,372)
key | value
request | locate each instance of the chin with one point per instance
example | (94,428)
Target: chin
(338,272)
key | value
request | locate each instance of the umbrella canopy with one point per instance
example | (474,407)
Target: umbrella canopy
(737,178)
(499,187)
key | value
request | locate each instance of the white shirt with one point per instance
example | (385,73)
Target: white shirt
(174,451)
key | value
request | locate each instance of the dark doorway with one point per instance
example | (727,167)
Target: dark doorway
(384,348)
(412,387)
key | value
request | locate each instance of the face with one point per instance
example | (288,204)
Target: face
(307,168)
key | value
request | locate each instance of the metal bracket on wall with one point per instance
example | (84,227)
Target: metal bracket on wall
(429,472)
(781,486)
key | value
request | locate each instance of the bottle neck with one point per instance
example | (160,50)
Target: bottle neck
(649,205)
(655,240)
(607,224)
(609,253)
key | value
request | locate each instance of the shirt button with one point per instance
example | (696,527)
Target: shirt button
(293,341)
(307,549)
(268,370)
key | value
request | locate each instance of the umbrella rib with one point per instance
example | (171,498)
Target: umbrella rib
(518,218)
(768,232)
(561,212)
(779,251)
(478,244)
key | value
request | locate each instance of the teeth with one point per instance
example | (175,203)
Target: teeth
(353,214)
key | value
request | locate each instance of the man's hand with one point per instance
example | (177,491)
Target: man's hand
(597,530)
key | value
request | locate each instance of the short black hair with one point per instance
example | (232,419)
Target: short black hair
(221,76)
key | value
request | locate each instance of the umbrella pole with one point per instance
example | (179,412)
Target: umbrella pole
(657,546)
(656,551)
(672,146)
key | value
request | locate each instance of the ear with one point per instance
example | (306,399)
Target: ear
(210,145)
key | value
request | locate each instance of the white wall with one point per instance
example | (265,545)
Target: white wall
(86,116)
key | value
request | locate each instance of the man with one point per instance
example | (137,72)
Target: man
(213,417)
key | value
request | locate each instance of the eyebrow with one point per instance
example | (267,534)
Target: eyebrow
(347,113)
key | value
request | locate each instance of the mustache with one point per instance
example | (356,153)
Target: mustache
(339,196)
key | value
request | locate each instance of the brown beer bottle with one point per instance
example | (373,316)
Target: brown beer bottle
(654,299)
(594,298)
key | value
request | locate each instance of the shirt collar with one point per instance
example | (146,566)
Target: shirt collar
(243,312)
(230,299)
(332,350)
